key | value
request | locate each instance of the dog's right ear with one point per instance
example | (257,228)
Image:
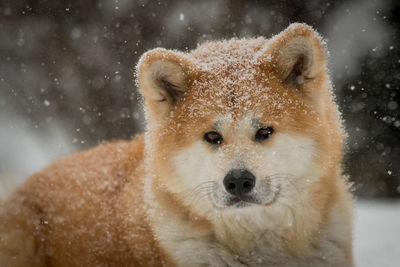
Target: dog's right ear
(163,79)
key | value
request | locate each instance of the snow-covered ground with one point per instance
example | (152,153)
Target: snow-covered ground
(377,234)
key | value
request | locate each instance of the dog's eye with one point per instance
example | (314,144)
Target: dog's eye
(213,138)
(263,133)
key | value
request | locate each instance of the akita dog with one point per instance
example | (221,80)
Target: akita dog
(240,165)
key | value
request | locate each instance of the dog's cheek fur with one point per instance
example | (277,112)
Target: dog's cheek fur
(197,171)
(290,154)
(292,162)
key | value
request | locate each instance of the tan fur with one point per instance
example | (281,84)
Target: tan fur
(132,204)
(85,210)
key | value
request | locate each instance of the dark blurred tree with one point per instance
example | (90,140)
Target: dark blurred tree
(370,101)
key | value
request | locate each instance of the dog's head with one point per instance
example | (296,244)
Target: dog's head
(241,124)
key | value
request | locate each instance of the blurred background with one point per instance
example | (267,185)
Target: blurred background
(67,73)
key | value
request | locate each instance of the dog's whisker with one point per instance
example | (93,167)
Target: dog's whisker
(200,187)
(200,191)
(200,197)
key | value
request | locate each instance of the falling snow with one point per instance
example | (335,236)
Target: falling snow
(66,82)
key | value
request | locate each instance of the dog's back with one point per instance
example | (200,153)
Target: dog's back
(78,205)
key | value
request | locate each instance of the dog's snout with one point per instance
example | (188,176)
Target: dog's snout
(239,182)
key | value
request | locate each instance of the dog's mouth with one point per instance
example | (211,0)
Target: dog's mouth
(242,201)
(247,200)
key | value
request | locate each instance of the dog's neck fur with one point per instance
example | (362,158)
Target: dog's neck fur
(192,241)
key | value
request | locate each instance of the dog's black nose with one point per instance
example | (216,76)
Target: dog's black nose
(239,182)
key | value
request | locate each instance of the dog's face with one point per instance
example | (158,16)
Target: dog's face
(241,124)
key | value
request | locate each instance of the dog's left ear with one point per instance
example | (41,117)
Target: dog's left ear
(163,78)
(298,54)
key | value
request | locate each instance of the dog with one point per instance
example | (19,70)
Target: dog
(240,165)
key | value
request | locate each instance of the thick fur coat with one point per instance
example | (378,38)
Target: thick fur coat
(260,105)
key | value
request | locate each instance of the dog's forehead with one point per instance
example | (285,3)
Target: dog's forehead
(235,100)
(236,80)
(231,70)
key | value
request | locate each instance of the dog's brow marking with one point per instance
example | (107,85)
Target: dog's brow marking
(255,123)
(218,126)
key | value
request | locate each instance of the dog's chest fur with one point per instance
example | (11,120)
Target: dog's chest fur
(191,245)
(265,250)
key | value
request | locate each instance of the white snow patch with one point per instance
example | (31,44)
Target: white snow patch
(376,233)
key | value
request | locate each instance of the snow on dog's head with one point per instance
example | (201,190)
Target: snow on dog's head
(241,125)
